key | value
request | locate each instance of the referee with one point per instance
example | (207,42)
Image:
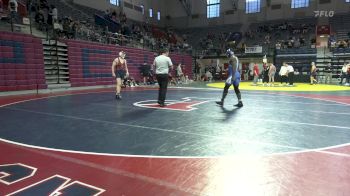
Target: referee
(162,64)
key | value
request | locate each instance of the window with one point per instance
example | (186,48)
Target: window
(143,9)
(150,12)
(114,2)
(347,1)
(252,6)
(300,3)
(158,15)
(213,8)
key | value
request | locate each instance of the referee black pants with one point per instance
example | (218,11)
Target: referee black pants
(163,85)
(284,79)
(291,78)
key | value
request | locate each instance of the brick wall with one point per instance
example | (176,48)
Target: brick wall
(90,63)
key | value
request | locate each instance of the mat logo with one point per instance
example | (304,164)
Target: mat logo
(54,185)
(185,104)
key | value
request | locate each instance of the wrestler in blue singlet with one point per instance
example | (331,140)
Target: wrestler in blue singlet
(234,77)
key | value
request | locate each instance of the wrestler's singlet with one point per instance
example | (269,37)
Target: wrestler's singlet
(120,66)
(233,80)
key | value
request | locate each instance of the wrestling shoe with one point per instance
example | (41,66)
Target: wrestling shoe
(239,104)
(220,103)
(118,97)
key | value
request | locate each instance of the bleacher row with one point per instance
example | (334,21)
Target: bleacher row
(195,35)
(340,24)
(21,62)
(297,51)
(113,26)
(90,63)
(341,51)
(259,37)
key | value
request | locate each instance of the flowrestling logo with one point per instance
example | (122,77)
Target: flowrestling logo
(324,13)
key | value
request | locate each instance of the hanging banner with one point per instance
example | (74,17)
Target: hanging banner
(253,50)
(323,30)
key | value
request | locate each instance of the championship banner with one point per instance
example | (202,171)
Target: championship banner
(323,30)
(253,50)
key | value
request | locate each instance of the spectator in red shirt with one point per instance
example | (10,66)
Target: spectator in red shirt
(255,74)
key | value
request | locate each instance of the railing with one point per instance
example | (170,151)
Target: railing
(132,41)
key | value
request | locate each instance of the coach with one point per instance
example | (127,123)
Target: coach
(162,64)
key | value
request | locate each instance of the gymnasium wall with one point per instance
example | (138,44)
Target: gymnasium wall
(21,62)
(90,63)
(130,11)
(179,18)
(199,12)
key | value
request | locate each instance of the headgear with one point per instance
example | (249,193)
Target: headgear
(122,54)
(229,53)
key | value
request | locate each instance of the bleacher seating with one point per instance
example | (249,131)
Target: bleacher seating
(87,10)
(195,35)
(21,62)
(259,36)
(340,24)
(65,10)
(113,27)
(90,63)
(297,52)
(341,51)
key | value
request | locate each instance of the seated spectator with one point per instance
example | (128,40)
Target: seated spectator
(208,76)
(1,7)
(172,80)
(297,44)
(39,19)
(107,14)
(50,16)
(54,14)
(44,4)
(58,28)
(302,41)
(145,72)
(123,19)
(12,6)
(217,72)
(278,46)
(328,73)
(129,82)
(179,74)
(114,16)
